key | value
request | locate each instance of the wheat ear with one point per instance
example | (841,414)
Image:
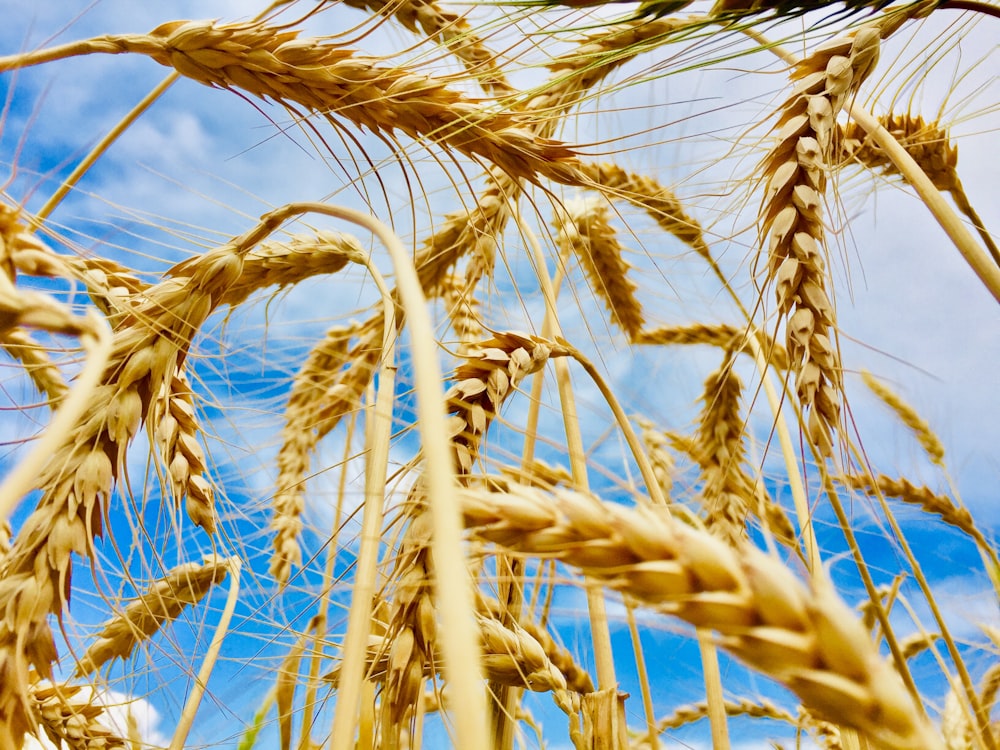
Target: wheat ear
(909,417)
(68,717)
(745,707)
(45,376)
(721,335)
(805,638)
(142,617)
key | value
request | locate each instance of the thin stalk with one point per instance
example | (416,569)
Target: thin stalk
(640,663)
(717,717)
(211,656)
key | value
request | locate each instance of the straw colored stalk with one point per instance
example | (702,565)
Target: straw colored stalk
(463,310)
(68,717)
(584,225)
(275,63)
(656,200)
(805,638)
(791,215)
(175,432)
(449,29)
(142,617)
(482,383)
(754,709)
(323,391)
(909,417)
(721,335)
(149,346)
(924,497)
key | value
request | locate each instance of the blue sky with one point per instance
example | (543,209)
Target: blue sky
(201,165)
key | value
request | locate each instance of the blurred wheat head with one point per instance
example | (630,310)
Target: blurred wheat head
(462,508)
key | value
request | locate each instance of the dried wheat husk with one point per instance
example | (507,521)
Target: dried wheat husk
(449,29)
(805,638)
(67,716)
(584,226)
(142,617)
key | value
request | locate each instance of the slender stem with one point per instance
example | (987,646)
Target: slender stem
(640,663)
(211,656)
(717,717)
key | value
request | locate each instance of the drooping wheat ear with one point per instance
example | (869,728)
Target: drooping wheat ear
(827,734)
(463,310)
(275,63)
(450,29)
(927,143)
(176,430)
(594,58)
(576,677)
(300,257)
(147,349)
(755,709)
(68,717)
(917,643)
(538,473)
(656,200)
(143,616)
(46,377)
(791,215)
(805,638)
(326,388)
(584,226)
(662,460)
(909,417)
(487,377)
(723,336)
(924,497)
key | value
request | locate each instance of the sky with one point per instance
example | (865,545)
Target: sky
(202,164)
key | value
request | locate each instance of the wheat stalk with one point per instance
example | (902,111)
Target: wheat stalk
(805,638)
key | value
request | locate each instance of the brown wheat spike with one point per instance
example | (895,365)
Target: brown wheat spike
(150,344)
(721,335)
(45,376)
(926,498)
(175,429)
(275,63)
(322,392)
(655,199)
(917,643)
(805,638)
(927,143)
(482,383)
(795,171)
(451,30)
(68,717)
(463,310)
(584,226)
(143,616)
(909,417)
(756,709)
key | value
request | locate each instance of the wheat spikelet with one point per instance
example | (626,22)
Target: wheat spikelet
(584,225)
(463,310)
(46,377)
(756,709)
(909,417)
(926,498)
(70,718)
(274,63)
(661,459)
(143,616)
(538,473)
(175,429)
(322,392)
(655,199)
(805,638)
(451,30)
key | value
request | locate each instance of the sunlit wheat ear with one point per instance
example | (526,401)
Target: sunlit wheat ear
(487,377)
(142,617)
(327,387)
(538,473)
(927,143)
(463,310)
(37,364)
(67,716)
(721,335)
(805,638)
(176,430)
(909,417)
(449,29)
(924,498)
(584,226)
(756,709)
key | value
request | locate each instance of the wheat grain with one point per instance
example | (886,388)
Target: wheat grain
(806,639)
(584,226)
(142,617)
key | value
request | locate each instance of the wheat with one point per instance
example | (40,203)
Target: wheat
(909,417)
(723,336)
(19,344)
(463,309)
(806,639)
(745,707)
(68,717)
(142,617)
